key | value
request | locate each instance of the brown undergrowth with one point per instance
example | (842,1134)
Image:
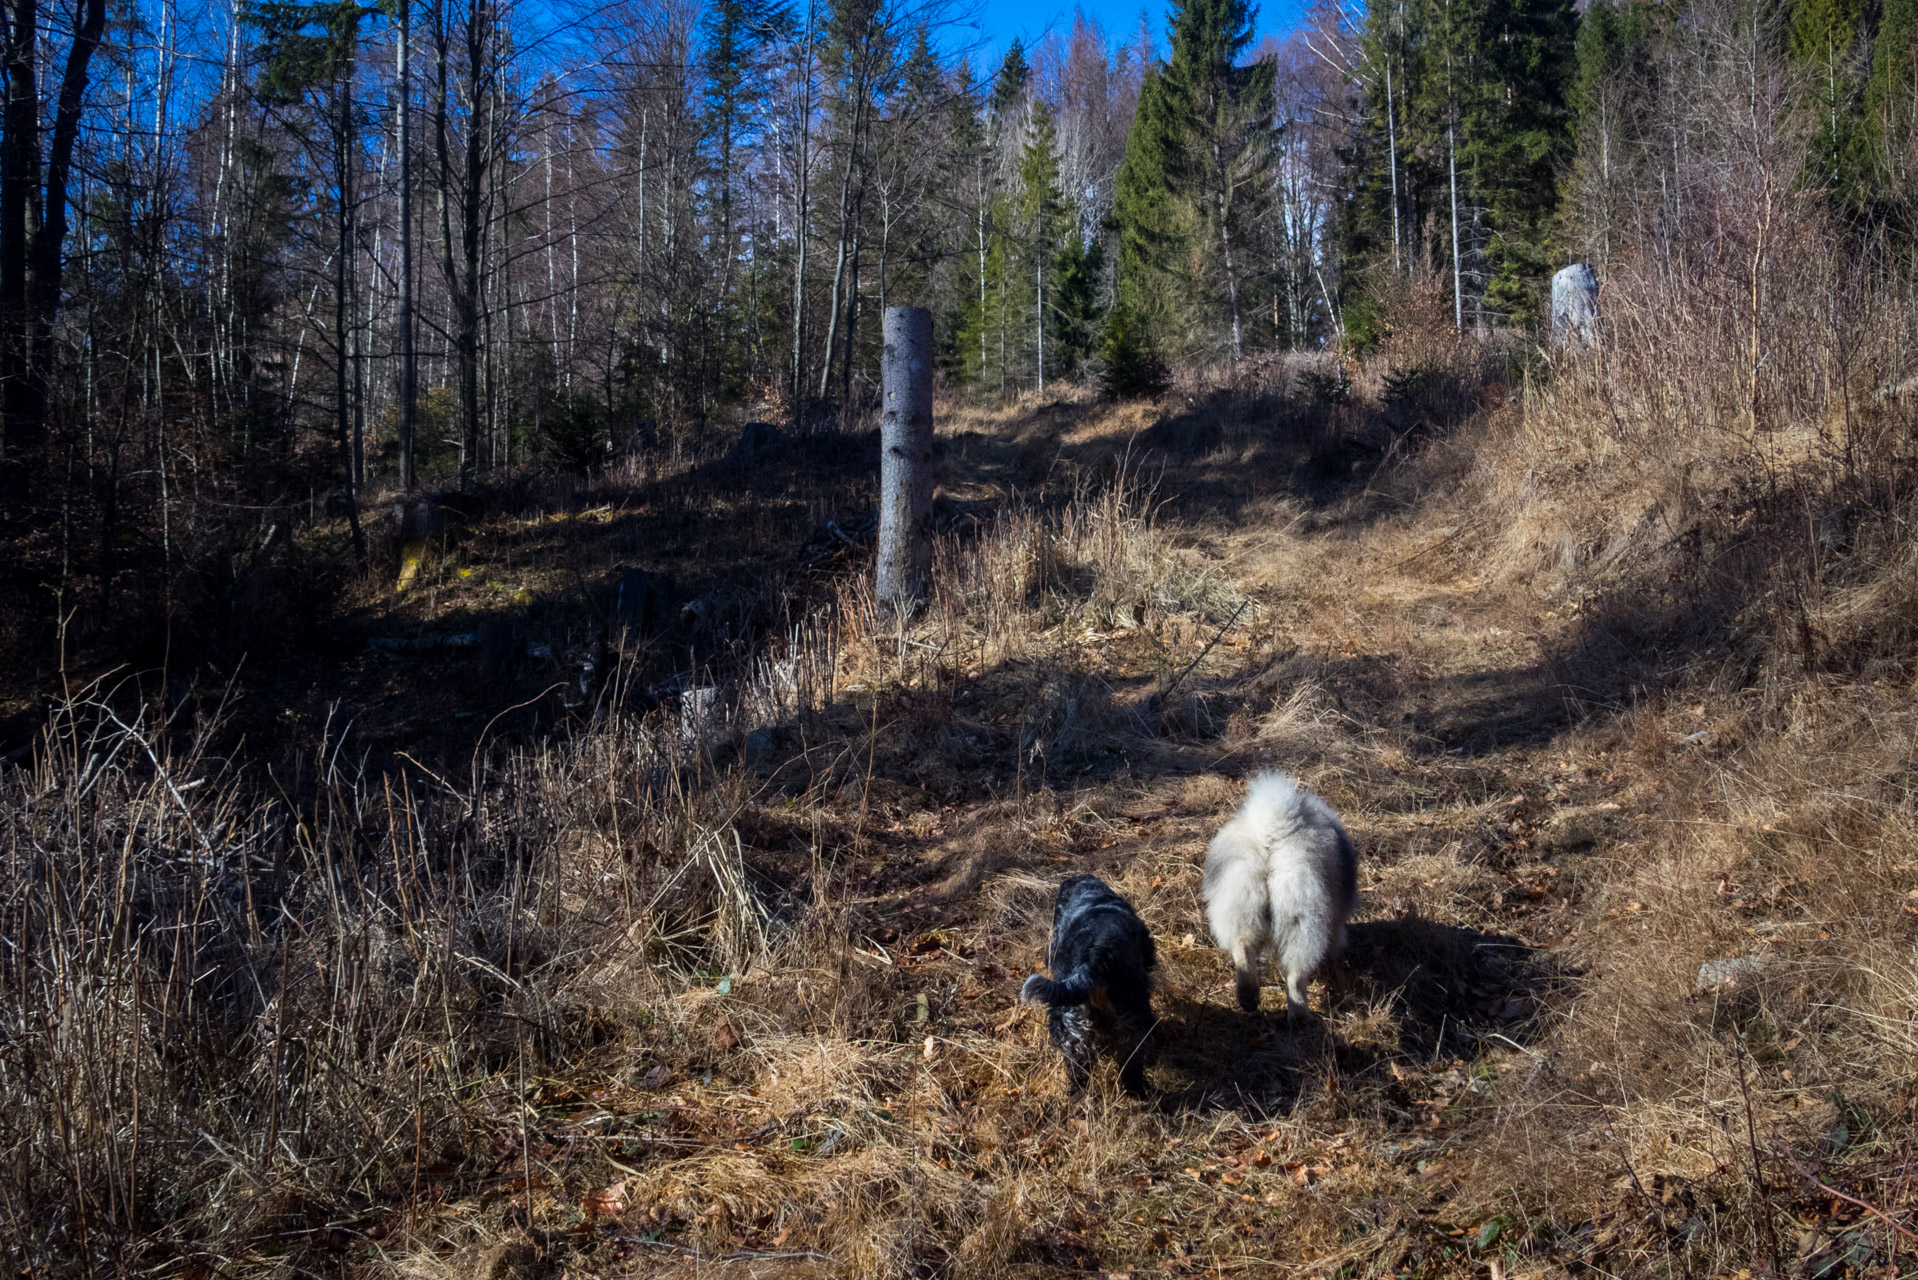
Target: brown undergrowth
(727,986)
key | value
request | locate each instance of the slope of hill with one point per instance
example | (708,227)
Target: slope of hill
(527,968)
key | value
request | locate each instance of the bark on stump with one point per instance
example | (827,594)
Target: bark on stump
(1575,306)
(905,460)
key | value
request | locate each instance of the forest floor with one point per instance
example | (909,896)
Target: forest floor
(756,1014)
(869,1098)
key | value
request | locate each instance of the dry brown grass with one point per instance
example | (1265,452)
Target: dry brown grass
(628,1003)
(1708,562)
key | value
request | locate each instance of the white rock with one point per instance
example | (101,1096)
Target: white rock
(1575,306)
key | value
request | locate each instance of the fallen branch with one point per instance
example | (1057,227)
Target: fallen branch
(1180,678)
(1834,1192)
(737,1255)
(1453,536)
(858,533)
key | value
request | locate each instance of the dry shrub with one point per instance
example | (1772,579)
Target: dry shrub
(1737,417)
(229,1002)
(1033,576)
(1426,376)
(1072,715)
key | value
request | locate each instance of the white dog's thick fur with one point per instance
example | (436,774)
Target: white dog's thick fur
(1280,877)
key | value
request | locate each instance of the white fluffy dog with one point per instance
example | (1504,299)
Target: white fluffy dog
(1281,876)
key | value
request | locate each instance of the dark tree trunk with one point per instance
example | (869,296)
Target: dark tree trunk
(409,366)
(33,230)
(343,319)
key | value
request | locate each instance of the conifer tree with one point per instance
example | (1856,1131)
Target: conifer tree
(1151,229)
(1073,306)
(1007,88)
(736,30)
(1229,135)
(309,53)
(1521,143)
(1608,102)
(1036,312)
(1483,130)
(1194,173)
(1887,125)
(1040,225)
(908,179)
(964,171)
(1825,43)
(997,326)
(1130,364)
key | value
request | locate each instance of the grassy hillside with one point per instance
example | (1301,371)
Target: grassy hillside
(404,958)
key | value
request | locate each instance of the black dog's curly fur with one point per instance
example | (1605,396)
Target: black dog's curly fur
(1100,993)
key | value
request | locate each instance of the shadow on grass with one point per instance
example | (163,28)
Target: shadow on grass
(1449,987)
(1216,1057)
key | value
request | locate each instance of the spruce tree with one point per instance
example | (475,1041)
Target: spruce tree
(1041,226)
(1129,360)
(1073,308)
(736,30)
(988,341)
(1888,101)
(1824,43)
(1229,134)
(1373,228)
(910,184)
(1195,173)
(1151,229)
(962,170)
(1012,333)
(1521,146)
(1609,100)
(1007,87)
(1483,133)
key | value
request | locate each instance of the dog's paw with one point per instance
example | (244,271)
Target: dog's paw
(1030,991)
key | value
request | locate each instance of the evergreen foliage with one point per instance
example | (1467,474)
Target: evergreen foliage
(1484,126)
(1195,180)
(1150,230)
(1826,46)
(1130,366)
(1849,64)
(1886,129)
(1039,280)
(303,46)
(1072,310)
(1008,87)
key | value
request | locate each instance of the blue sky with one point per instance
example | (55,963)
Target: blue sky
(1000,20)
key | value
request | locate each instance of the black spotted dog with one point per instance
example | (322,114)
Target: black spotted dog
(1100,994)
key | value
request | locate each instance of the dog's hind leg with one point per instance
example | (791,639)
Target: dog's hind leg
(1296,1009)
(1246,962)
(1307,951)
(1073,1035)
(1341,979)
(1135,1044)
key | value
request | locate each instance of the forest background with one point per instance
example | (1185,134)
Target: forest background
(287,253)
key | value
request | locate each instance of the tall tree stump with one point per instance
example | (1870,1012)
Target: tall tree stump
(905,460)
(1575,306)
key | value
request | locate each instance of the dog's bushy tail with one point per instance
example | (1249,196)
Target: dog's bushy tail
(1275,805)
(1074,990)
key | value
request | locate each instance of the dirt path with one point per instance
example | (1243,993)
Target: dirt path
(872,1095)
